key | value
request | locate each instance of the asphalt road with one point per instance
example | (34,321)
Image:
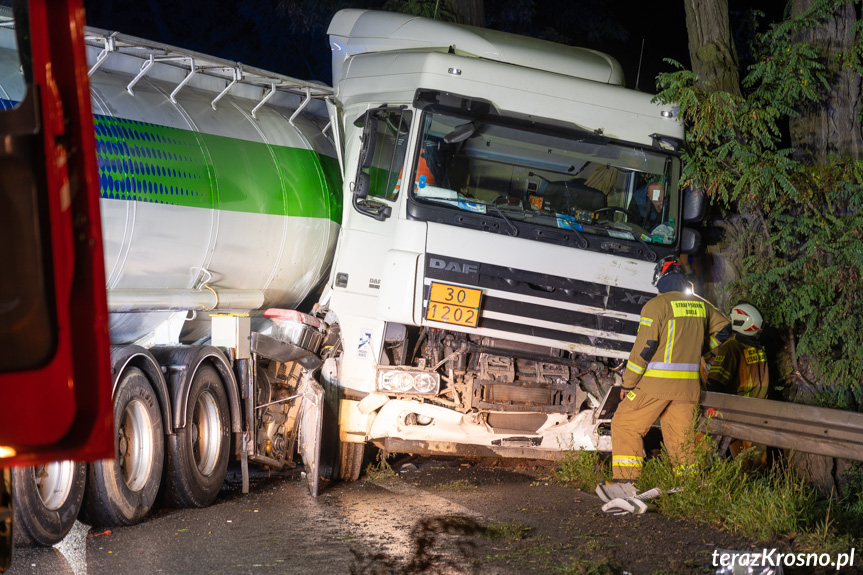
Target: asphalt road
(441,516)
(277,528)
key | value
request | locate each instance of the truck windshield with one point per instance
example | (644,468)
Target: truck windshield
(546,176)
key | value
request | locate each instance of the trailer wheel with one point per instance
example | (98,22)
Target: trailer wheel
(198,456)
(122,491)
(47,500)
(351,460)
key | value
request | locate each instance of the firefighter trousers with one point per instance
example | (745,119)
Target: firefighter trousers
(632,421)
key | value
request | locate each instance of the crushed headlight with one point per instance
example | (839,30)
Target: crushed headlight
(406,380)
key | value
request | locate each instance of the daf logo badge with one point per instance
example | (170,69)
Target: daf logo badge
(437,264)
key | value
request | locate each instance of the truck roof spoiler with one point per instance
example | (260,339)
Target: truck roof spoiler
(360,31)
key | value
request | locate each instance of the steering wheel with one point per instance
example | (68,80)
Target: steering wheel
(629,215)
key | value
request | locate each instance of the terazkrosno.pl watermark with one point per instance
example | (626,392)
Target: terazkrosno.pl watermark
(761,562)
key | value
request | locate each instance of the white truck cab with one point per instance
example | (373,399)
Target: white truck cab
(506,200)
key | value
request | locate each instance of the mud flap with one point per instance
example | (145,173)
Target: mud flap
(310,426)
(609,404)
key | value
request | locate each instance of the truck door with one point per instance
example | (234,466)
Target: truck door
(55,377)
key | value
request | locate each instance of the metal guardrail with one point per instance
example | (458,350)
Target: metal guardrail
(806,428)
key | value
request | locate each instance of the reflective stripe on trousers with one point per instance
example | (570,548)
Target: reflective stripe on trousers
(627,461)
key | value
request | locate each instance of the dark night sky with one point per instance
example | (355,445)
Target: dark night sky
(661,33)
(256,33)
(275,35)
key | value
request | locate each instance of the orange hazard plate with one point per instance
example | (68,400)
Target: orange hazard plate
(454,304)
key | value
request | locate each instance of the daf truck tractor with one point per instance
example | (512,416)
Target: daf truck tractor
(506,200)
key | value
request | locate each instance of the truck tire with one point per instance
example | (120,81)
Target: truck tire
(351,460)
(198,454)
(122,491)
(47,501)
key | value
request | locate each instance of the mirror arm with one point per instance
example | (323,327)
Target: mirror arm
(376,210)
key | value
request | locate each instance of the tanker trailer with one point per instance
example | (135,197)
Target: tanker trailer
(220,197)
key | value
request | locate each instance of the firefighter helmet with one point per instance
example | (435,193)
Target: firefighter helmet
(667,265)
(746,319)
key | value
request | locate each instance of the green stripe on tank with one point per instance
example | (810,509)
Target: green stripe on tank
(145,162)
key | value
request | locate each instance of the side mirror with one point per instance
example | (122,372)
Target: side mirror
(694,205)
(362,185)
(367,153)
(383,128)
(690,241)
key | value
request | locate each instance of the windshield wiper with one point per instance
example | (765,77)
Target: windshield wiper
(584,243)
(652,254)
(506,219)
(455,202)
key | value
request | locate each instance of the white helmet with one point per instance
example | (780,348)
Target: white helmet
(746,319)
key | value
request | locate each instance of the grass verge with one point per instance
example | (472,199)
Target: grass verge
(739,496)
(758,505)
(583,469)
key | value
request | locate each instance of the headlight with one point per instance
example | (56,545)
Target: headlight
(407,381)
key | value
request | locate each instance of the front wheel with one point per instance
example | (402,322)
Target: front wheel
(351,460)
(47,500)
(198,455)
(122,490)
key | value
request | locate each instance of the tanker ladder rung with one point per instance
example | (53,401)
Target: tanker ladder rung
(302,105)
(154,52)
(192,71)
(266,97)
(237,72)
(110,46)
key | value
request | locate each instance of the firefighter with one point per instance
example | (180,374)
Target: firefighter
(662,374)
(739,366)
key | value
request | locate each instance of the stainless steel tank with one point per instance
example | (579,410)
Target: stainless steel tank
(210,197)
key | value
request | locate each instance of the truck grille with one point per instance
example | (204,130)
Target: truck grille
(535,305)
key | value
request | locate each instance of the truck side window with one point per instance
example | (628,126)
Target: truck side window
(388,156)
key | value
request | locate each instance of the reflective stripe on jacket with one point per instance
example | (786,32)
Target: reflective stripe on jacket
(735,367)
(674,332)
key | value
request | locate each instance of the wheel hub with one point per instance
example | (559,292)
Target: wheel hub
(135,445)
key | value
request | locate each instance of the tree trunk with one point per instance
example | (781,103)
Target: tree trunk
(470,12)
(714,61)
(831,126)
(711,47)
